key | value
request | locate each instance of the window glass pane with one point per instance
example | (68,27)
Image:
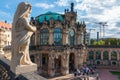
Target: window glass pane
(113,55)
(98,55)
(91,55)
(44,37)
(71,37)
(58,36)
(105,55)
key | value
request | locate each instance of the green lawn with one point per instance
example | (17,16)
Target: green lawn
(116,73)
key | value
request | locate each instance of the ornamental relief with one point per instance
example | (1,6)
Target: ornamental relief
(45,26)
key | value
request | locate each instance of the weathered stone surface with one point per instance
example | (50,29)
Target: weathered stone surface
(25,68)
(30,75)
(22,30)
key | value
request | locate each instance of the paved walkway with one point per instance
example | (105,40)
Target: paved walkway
(104,74)
(70,77)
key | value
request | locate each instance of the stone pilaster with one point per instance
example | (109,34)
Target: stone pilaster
(65,37)
(40,63)
(85,56)
(79,60)
(51,38)
(65,63)
(79,38)
(51,71)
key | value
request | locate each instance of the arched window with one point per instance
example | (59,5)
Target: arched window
(105,55)
(71,37)
(98,55)
(44,37)
(113,55)
(58,36)
(91,55)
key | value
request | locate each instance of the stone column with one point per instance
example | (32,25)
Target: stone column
(79,38)
(51,36)
(40,63)
(65,63)
(79,59)
(76,60)
(65,37)
(51,71)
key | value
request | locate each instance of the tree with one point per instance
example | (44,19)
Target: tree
(101,42)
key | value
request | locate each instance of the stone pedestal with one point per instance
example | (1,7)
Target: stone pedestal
(24,69)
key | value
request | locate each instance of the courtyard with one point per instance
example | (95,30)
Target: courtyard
(104,74)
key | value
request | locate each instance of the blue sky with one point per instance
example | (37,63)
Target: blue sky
(91,11)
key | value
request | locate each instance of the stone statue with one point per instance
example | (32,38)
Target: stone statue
(22,30)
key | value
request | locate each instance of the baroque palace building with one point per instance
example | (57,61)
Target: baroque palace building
(105,56)
(59,44)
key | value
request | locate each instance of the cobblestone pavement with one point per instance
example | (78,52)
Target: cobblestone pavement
(104,74)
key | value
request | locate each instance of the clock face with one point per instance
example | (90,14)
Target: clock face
(71,32)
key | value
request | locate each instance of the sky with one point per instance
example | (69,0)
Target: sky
(90,11)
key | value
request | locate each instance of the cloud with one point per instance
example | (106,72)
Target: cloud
(4,14)
(62,3)
(78,1)
(100,11)
(44,5)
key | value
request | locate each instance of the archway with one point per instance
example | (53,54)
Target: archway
(98,62)
(114,63)
(71,62)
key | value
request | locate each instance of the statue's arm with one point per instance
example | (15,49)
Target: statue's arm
(28,26)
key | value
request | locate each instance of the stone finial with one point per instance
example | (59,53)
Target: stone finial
(72,7)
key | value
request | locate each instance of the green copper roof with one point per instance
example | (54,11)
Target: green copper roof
(48,16)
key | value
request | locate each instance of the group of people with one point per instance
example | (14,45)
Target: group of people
(85,70)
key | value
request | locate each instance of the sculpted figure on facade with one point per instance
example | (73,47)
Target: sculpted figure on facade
(22,30)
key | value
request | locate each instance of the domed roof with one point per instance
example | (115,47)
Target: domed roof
(50,15)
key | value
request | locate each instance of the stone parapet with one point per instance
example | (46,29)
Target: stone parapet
(26,72)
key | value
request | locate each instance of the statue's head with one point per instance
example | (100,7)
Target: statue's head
(23,10)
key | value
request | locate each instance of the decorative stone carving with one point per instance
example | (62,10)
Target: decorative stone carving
(22,30)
